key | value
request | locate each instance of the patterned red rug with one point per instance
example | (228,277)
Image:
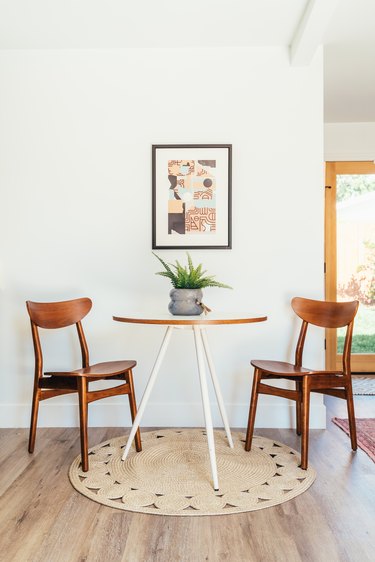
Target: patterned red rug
(365,433)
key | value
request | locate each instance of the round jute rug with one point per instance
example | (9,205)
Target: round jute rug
(172,475)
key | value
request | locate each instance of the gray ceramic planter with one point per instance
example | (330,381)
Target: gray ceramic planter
(184,302)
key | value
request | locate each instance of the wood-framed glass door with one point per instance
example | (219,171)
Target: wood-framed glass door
(350,257)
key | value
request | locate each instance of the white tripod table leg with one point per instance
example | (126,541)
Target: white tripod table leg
(215,382)
(206,405)
(147,392)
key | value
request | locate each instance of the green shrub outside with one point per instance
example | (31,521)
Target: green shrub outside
(361,343)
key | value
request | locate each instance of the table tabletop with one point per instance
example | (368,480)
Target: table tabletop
(204,319)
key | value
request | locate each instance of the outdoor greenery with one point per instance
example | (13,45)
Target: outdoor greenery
(352,185)
(188,277)
(364,332)
(361,344)
(361,284)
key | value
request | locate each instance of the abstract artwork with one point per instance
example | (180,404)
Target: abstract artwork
(191,196)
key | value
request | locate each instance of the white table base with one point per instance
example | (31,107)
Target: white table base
(202,349)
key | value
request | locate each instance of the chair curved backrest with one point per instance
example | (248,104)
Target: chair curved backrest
(53,315)
(325,314)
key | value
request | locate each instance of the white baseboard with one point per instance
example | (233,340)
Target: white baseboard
(158,415)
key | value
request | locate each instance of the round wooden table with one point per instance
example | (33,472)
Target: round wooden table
(197,324)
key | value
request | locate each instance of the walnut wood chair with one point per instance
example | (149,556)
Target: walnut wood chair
(335,383)
(49,384)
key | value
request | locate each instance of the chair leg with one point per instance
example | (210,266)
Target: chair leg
(133,410)
(351,415)
(252,410)
(34,418)
(82,397)
(299,408)
(305,422)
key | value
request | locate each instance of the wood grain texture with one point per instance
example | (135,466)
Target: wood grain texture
(192,321)
(330,243)
(43,519)
(107,369)
(52,315)
(325,314)
(47,385)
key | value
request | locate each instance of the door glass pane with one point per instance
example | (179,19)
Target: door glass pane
(356,255)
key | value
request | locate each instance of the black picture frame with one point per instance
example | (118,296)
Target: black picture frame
(198,214)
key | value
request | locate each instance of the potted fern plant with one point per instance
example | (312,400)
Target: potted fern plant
(188,282)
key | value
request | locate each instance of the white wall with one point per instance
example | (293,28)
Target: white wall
(76,132)
(349,141)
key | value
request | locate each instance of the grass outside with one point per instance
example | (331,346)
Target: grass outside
(364,332)
(361,344)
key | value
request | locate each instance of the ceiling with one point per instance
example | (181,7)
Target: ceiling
(147,23)
(348,35)
(349,63)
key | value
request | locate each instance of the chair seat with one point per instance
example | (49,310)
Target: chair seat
(56,315)
(107,369)
(324,314)
(280,368)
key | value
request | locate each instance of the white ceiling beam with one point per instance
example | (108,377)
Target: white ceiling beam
(310,30)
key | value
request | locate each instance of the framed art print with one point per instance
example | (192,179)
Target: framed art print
(191,196)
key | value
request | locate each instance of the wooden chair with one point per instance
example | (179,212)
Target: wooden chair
(334,383)
(49,384)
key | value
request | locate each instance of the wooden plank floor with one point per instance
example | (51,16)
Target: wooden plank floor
(43,519)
